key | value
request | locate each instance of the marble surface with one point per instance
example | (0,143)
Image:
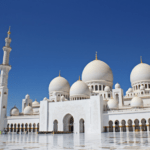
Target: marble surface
(105,141)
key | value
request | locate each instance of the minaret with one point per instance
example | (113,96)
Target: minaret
(4,70)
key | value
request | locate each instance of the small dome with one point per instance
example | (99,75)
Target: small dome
(112,104)
(35,103)
(117,86)
(14,111)
(136,102)
(107,89)
(79,88)
(28,110)
(27,96)
(59,84)
(130,90)
(45,99)
(97,70)
(142,87)
(140,72)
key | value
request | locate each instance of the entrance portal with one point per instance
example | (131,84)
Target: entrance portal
(68,123)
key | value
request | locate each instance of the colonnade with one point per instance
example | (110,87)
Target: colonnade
(23,127)
(128,126)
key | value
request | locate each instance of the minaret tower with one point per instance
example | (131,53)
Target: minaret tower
(4,70)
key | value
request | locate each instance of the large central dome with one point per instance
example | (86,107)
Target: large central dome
(97,70)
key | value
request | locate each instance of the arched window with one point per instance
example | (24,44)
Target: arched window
(146,86)
(130,125)
(139,86)
(144,127)
(96,87)
(137,127)
(100,88)
(110,126)
(117,128)
(92,87)
(103,87)
(109,95)
(123,129)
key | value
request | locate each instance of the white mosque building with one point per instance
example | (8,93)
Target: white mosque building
(90,105)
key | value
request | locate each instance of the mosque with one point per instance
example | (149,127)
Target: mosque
(90,105)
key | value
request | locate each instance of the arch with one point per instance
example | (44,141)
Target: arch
(11,128)
(108,95)
(100,88)
(103,87)
(117,128)
(55,126)
(8,127)
(143,127)
(34,127)
(123,128)
(68,123)
(18,128)
(137,127)
(96,88)
(15,127)
(110,126)
(130,125)
(30,127)
(26,127)
(81,122)
(139,86)
(22,127)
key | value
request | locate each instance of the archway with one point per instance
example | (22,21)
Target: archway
(110,126)
(55,126)
(18,128)
(123,122)
(68,123)
(22,127)
(137,127)
(34,127)
(26,127)
(14,127)
(30,127)
(81,125)
(144,127)
(7,127)
(117,129)
(11,127)
(130,125)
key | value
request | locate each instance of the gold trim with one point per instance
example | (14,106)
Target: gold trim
(96,56)
(9,31)
(141,59)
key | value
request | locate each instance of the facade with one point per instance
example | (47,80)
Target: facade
(90,105)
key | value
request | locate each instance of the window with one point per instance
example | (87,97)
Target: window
(96,87)
(100,87)
(145,85)
(109,95)
(103,87)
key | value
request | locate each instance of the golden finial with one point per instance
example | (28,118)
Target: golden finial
(96,56)
(79,78)
(141,59)
(9,31)
(35,100)
(59,73)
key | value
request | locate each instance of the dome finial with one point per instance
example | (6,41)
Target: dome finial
(96,56)
(59,73)
(141,59)
(79,78)
(35,100)
(9,31)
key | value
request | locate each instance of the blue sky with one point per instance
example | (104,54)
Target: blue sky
(48,36)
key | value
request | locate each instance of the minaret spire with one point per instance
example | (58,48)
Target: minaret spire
(96,56)
(141,59)
(8,32)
